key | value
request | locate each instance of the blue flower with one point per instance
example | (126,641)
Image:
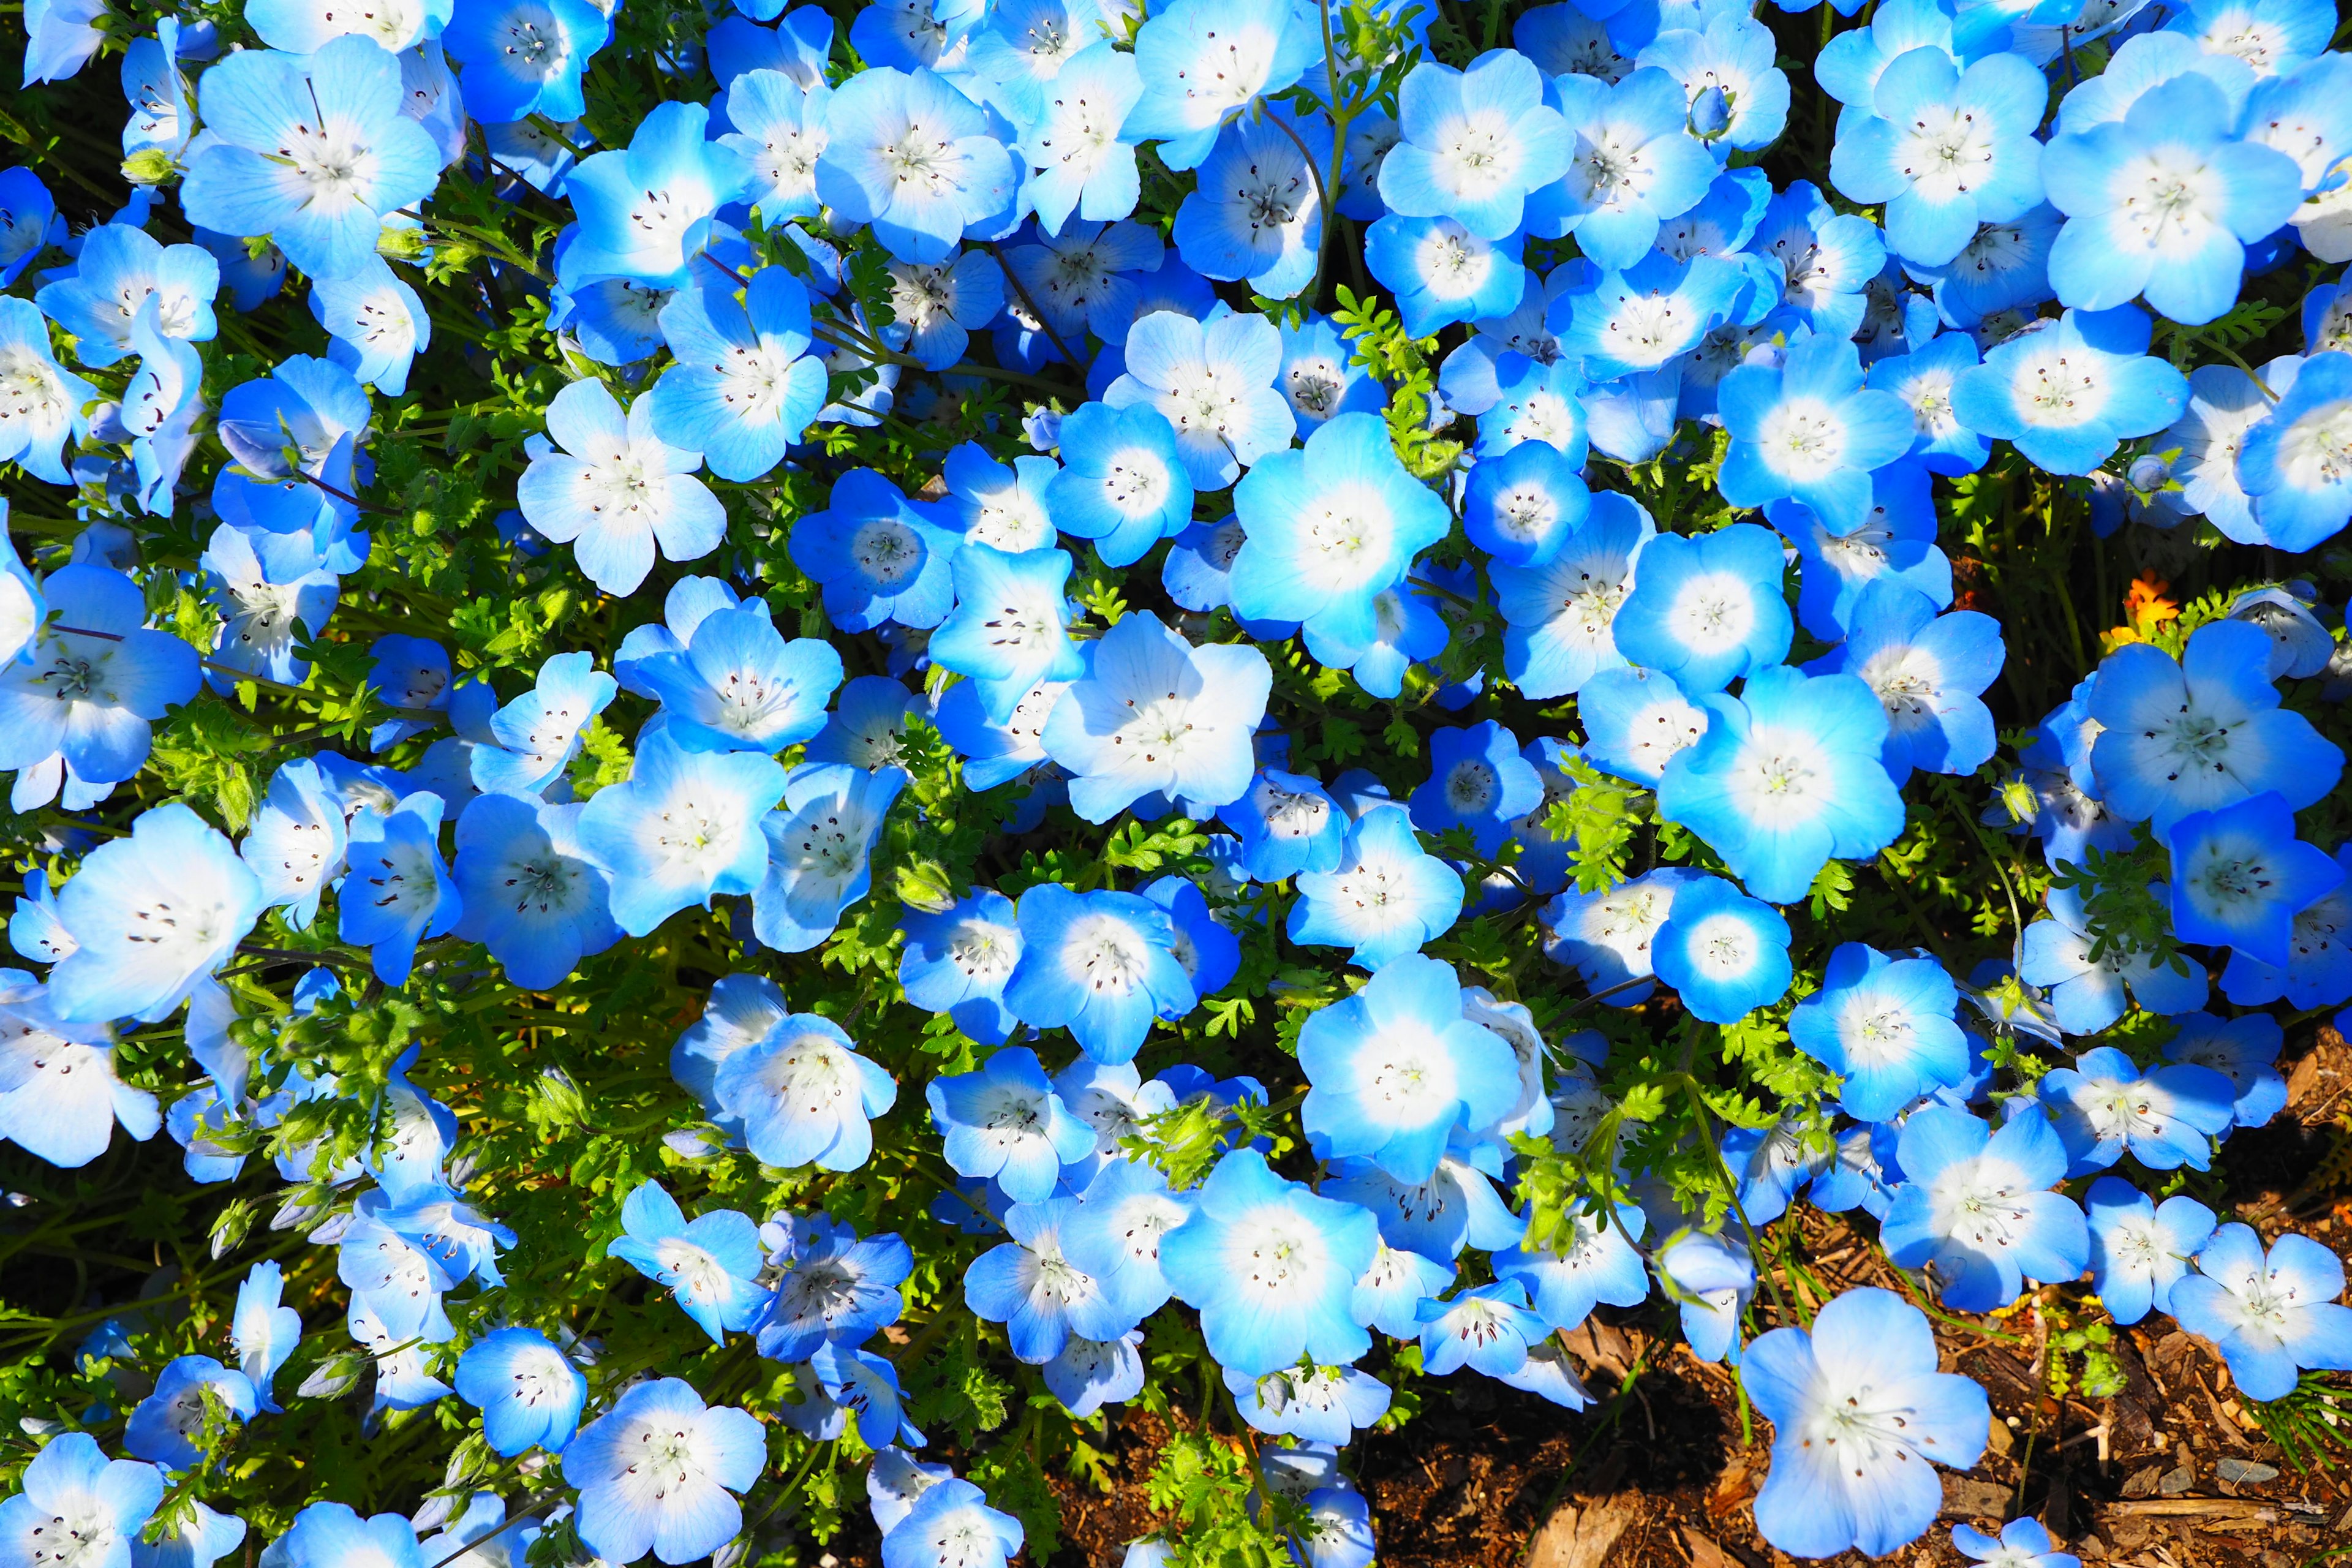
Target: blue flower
(1245,49)
(1155,713)
(745,386)
(528,1391)
(737,684)
(1706,610)
(2087,997)
(1329,528)
(2292,463)
(1005,1122)
(2203,734)
(271,589)
(1560,615)
(1487,1329)
(1589,1260)
(683,828)
(163,1427)
(1524,507)
(2068,394)
(375,324)
(2106,1108)
(1126,486)
(1631,164)
(1074,141)
(71,1488)
(880,557)
(779,131)
(2244,1050)
(655,1474)
(273,168)
(524,58)
(119,269)
(1944,151)
(44,411)
(1009,630)
(1809,746)
(951,1525)
(2023,1544)
(1922,381)
(1535,402)
(1927,671)
(1389,897)
(1439,272)
(1723,953)
(2239,876)
(957,960)
(1389,1295)
(646,212)
(1329,1406)
(1975,1202)
(2272,1315)
(1860,1419)
(961,183)
(1396,1067)
(1102,963)
(1257,214)
(820,851)
(397,892)
(2189,263)
(94,681)
(1809,429)
(174,875)
(615,489)
(1474,143)
(711,1264)
(836,1290)
(1043,1298)
(1477,781)
(331,1533)
(805,1096)
(1607,936)
(1737,96)
(1271,1268)
(1438,1215)
(1886,1025)
(1213,382)
(2139,1251)
(1287,824)
(1319,374)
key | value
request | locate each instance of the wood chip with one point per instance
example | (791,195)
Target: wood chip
(1582,1537)
(2191,1508)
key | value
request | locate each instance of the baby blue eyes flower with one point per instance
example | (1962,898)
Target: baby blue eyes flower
(1587,1262)
(2106,1108)
(957,961)
(1154,713)
(2295,465)
(1886,1025)
(646,211)
(60,1096)
(655,1474)
(397,892)
(1474,143)
(805,1096)
(1477,781)
(523,57)
(1329,1406)
(119,269)
(1009,630)
(950,1525)
(1256,214)
(1287,824)
(539,733)
(1723,953)
(1439,272)
(836,1290)
(165,1427)
(84,692)
(375,323)
(1202,61)
(1524,506)
(100,1505)
(1706,610)
(1927,670)
(2184,251)
(44,411)
(2067,394)
(820,851)
(310,150)
(908,154)
(1329,528)
(880,557)
(711,1264)
(1487,1329)
(1075,143)
(1271,1268)
(2244,1050)
(2272,1315)
(2085,996)
(1126,486)
(684,828)
(1114,1236)
(2139,1251)
(1976,1202)
(1631,164)
(1006,1123)
(615,490)
(1944,151)
(1043,1298)
(1786,778)
(1396,1067)
(737,685)
(1634,319)
(1387,898)
(1560,616)
(779,131)
(1320,377)
(2239,876)
(261,1331)
(1860,1419)
(174,873)
(745,386)
(2202,733)
(2022,1543)
(528,1391)
(1214,383)
(1102,963)
(1809,429)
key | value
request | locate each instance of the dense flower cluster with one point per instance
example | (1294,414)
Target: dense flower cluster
(867,557)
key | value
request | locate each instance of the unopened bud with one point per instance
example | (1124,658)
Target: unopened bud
(149,166)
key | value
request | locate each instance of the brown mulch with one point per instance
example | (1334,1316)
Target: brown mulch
(2171,1473)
